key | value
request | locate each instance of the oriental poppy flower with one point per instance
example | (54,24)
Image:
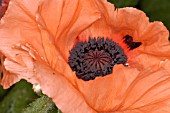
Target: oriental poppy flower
(87,56)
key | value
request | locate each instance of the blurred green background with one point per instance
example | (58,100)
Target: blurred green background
(20,98)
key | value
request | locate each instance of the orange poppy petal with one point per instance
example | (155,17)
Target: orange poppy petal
(159,107)
(84,14)
(24,70)
(155,40)
(8,78)
(65,96)
(150,87)
(106,93)
(6,45)
(54,57)
(24,22)
(130,21)
(19,20)
(144,61)
(153,35)
(20,63)
(57,37)
(52,83)
(102,27)
(123,21)
(136,91)
(66,20)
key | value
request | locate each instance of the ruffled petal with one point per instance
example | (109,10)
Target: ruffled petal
(21,50)
(159,107)
(135,23)
(85,13)
(54,57)
(129,21)
(155,40)
(153,35)
(23,70)
(67,19)
(117,23)
(52,83)
(27,18)
(19,26)
(8,79)
(101,27)
(150,87)
(106,93)
(53,74)
(121,21)
(65,96)
(10,34)
(155,46)
(138,89)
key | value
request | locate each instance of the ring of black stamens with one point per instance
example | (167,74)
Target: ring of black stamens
(95,58)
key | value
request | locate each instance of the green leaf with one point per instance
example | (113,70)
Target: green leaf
(18,98)
(157,10)
(42,105)
(2,92)
(124,3)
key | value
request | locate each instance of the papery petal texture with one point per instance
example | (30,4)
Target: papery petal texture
(36,37)
(23,48)
(148,77)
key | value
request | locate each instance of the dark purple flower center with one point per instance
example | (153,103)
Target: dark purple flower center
(96,57)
